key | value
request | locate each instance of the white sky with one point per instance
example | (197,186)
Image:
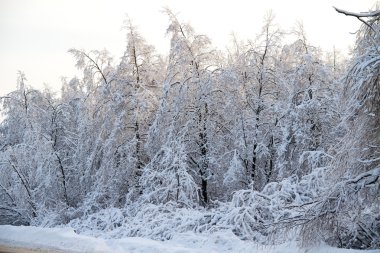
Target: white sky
(36,34)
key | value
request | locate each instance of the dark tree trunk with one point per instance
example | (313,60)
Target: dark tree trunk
(204,153)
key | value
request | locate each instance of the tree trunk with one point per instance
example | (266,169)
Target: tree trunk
(204,152)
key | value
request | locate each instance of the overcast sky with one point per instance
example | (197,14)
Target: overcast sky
(36,34)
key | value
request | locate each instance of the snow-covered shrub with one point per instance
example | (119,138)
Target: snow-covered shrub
(342,215)
(159,222)
(167,178)
(278,207)
(98,223)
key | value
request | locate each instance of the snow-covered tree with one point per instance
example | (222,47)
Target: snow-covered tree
(347,215)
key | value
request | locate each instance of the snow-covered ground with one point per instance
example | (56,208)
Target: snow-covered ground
(65,239)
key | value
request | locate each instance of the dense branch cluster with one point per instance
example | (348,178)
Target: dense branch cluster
(268,140)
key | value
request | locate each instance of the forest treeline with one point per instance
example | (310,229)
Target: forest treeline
(268,139)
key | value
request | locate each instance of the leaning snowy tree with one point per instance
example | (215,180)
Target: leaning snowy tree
(119,103)
(348,213)
(308,111)
(187,101)
(35,173)
(257,90)
(138,78)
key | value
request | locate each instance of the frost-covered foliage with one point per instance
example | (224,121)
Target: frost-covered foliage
(268,140)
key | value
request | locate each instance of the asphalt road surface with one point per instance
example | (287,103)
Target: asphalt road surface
(6,249)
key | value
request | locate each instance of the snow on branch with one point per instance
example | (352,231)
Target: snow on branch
(366,178)
(361,15)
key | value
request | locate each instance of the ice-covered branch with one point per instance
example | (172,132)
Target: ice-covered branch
(361,15)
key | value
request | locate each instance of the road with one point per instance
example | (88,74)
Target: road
(6,249)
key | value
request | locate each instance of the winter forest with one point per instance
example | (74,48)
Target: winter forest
(271,139)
